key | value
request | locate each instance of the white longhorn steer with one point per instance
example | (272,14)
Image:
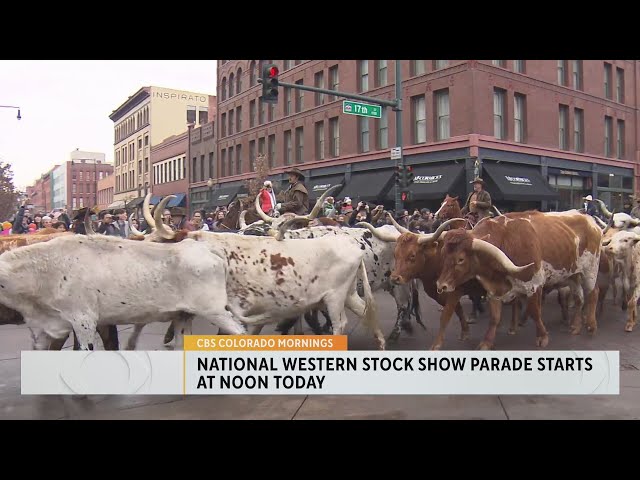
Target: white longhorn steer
(79,282)
(268,280)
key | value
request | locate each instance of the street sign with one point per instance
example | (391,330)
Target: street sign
(396,153)
(361,109)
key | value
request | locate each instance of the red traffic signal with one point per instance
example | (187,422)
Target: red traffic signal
(404,196)
(273,72)
(270,83)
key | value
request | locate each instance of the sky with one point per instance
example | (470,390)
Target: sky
(66,105)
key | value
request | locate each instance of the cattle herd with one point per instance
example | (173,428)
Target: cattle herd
(288,269)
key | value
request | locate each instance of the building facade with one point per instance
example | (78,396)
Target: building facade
(105,188)
(169,170)
(542,133)
(202,168)
(144,120)
(41,193)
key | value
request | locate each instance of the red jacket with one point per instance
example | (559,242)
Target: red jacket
(265,201)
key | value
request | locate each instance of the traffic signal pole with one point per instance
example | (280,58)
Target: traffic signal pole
(396,105)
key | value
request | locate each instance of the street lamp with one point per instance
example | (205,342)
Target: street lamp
(11,106)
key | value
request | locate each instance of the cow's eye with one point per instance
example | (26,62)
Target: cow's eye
(412,257)
(461,260)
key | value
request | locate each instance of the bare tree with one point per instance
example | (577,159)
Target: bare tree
(262,173)
(8,192)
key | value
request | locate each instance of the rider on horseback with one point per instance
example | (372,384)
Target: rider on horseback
(478,204)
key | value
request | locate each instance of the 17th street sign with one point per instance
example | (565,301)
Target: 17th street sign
(362,109)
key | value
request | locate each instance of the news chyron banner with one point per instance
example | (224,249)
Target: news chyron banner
(316,365)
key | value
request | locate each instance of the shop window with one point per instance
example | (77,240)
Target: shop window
(627,183)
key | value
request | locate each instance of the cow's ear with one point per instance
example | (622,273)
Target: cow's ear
(456,197)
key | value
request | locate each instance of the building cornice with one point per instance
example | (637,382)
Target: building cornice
(132,102)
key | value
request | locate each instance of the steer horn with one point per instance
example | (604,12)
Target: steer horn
(600,222)
(164,231)
(133,229)
(633,222)
(603,208)
(483,246)
(609,223)
(400,228)
(146,211)
(88,225)
(432,237)
(243,224)
(379,233)
(263,215)
(318,206)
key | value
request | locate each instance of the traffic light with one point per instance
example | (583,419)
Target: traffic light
(270,83)
(405,196)
(397,175)
(408,176)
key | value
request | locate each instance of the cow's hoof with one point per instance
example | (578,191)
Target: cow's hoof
(575,330)
(512,331)
(629,327)
(542,341)
(485,346)
(591,329)
(464,335)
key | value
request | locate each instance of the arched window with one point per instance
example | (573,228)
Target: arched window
(223,87)
(239,81)
(231,85)
(252,73)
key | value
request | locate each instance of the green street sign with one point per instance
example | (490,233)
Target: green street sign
(361,109)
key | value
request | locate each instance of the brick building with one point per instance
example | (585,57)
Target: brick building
(105,189)
(40,193)
(169,170)
(542,133)
(202,170)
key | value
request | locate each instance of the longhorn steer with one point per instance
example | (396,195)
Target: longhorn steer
(55,287)
(552,249)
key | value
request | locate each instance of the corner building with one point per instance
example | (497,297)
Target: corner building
(542,133)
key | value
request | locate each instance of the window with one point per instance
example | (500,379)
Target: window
(146,165)
(562,72)
(230,164)
(231,121)
(223,89)
(252,113)
(74,188)
(363,130)
(231,85)
(261,149)
(499,108)
(239,81)
(607,80)
(81,202)
(418,110)
(500,63)
(81,174)
(299,145)
(417,67)
(260,111)
(319,131)
(563,127)
(334,132)
(334,81)
(191,114)
(252,73)
(442,114)
(272,150)
(203,115)
(381,73)
(318,82)
(211,165)
(139,142)
(73,203)
(223,125)
(252,156)
(577,74)
(202,176)
(81,188)
(286,64)
(383,130)
(239,119)
(578,130)
(146,140)
(608,136)
(287,147)
(287,101)
(363,75)
(139,167)
(100,174)
(620,149)
(519,118)
(619,85)
(194,169)
(440,64)
(519,66)
(238,159)
(299,97)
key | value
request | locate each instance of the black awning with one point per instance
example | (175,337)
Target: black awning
(432,181)
(517,182)
(179,201)
(317,186)
(225,195)
(367,186)
(136,202)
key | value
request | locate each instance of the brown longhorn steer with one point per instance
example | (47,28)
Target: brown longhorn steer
(517,254)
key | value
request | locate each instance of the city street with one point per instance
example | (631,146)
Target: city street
(610,336)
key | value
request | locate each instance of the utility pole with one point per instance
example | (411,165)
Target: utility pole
(269,80)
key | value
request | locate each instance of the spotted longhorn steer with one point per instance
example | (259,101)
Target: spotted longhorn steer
(517,254)
(268,280)
(54,285)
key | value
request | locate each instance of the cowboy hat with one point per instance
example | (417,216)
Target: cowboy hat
(589,198)
(478,180)
(295,171)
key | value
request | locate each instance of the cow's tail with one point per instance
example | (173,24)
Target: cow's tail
(370,309)
(415,303)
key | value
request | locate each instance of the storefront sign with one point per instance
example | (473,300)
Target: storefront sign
(568,172)
(223,197)
(427,178)
(518,180)
(323,186)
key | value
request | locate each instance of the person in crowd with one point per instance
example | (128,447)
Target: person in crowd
(47,221)
(6,228)
(346,206)
(60,226)
(591,207)
(635,212)
(121,223)
(107,226)
(296,197)
(628,205)
(267,198)
(329,207)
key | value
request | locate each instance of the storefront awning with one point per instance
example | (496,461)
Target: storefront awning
(368,186)
(433,181)
(225,195)
(179,201)
(116,204)
(136,202)
(510,181)
(317,186)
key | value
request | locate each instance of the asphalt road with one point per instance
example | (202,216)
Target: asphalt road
(610,336)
